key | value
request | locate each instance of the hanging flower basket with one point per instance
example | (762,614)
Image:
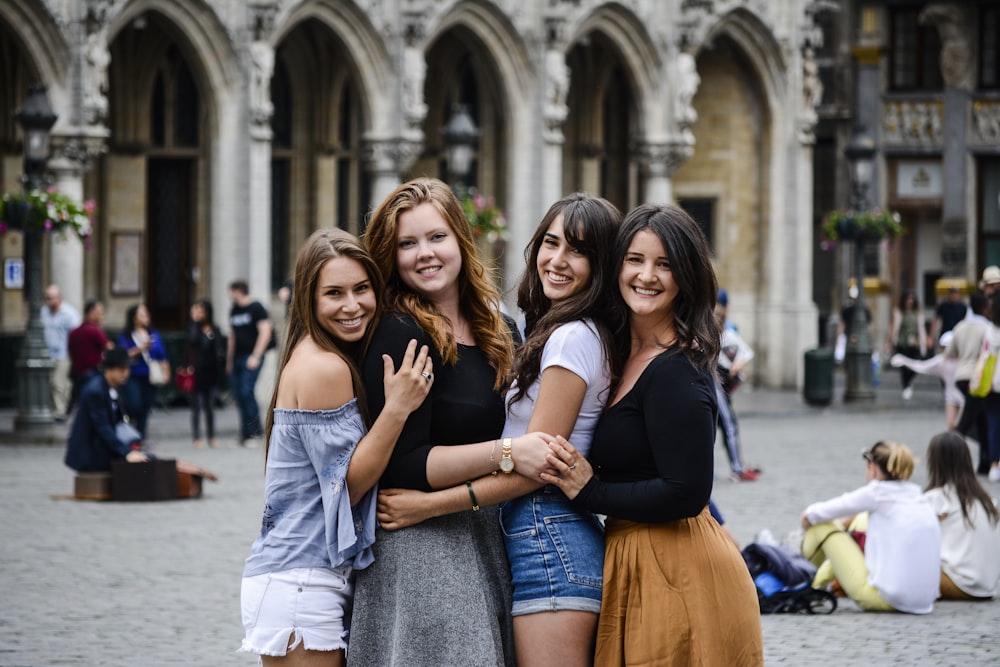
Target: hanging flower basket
(486,219)
(875,225)
(49,211)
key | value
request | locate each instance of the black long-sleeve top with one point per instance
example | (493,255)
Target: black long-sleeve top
(652,451)
(461,408)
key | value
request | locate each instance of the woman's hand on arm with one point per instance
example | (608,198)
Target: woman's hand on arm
(401,508)
(574,471)
(405,390)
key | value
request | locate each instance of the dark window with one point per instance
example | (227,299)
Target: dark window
(989,47)
(186,107)
(280,205)
(989,210)
(158,115)
(281,98)
(914,53)
(703,212)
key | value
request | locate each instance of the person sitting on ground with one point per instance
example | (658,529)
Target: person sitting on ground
(93,441)
(899,569)
(970,522)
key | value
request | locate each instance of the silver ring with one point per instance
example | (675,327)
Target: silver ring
(572,466)
(427,376)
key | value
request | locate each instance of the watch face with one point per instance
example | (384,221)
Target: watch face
(507,464)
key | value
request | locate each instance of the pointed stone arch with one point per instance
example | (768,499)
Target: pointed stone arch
(32,49)
(363,45)
(204,39)
(634,45)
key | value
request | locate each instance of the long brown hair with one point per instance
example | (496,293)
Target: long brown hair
(693,308)
(322,246)
(949,463)
(589,226)
(479,300)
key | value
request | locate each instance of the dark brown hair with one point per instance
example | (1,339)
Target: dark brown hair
(949,463)
(589,226)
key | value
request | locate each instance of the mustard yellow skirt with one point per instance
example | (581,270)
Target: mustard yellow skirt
(677,593)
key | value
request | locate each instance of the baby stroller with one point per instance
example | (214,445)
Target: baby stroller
(783,582)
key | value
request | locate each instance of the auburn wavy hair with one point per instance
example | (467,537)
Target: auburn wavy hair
(479,299)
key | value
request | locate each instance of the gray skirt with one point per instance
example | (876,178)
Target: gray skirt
(438,594)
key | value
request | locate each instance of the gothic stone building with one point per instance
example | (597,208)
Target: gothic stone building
(215,135)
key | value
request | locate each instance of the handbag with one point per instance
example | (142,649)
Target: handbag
(184,379)
(981,382)
(159,371)
(127,434)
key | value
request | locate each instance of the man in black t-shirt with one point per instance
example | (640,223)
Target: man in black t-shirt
(249,338)
(948,313)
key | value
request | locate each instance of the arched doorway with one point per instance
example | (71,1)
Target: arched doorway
(597,154)
(154,173)
(317,173)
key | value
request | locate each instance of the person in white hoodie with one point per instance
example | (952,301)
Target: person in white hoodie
(899,569)
(970,521)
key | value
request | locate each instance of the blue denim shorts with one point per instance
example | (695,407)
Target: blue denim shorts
(556,553)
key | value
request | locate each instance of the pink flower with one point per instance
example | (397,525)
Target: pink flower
(89,206)
(3,227)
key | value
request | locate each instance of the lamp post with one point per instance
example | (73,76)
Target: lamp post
(860,152)
(461,137)
(34,366)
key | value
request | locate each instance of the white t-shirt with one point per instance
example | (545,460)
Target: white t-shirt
(970,556)
(903,542)
(575,346)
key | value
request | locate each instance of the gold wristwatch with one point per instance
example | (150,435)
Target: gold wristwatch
(506,461)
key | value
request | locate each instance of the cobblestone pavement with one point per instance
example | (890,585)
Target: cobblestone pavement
(102,583)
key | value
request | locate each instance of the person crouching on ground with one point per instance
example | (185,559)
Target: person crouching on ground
(899,569)
(93,442)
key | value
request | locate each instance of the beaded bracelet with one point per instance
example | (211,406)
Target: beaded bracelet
(475,503)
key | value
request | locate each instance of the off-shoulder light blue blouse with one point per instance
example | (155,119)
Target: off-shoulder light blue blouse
(308,518)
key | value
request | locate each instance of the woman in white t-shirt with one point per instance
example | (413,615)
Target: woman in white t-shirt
(970,522)
(559,385)
(900,567)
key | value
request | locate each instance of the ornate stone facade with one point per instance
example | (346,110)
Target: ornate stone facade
(244,125)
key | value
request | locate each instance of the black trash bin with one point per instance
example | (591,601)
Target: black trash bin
(817,386)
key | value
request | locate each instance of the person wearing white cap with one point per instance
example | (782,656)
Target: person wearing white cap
(991,280)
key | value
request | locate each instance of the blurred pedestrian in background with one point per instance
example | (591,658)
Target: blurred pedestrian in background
(58,320)
(206,359)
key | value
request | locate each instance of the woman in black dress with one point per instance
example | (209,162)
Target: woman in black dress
(650,468)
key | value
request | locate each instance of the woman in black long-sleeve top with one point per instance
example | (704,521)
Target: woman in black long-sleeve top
(206,353)
(651,466)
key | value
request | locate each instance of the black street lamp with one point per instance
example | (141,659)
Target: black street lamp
(34,366)
(461,138)
(860,152)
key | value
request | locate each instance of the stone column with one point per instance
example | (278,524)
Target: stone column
(658,161)
(72,156)
(387,160)
(954,26)
(554,112)
(259,211)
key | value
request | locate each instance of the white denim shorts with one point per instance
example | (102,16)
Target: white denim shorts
(313,604)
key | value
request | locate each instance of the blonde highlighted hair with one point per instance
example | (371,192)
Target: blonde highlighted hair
(894,458)
(479,300)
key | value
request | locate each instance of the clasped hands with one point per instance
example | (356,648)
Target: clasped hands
(537,456)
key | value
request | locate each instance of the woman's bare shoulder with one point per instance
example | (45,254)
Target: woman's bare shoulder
(314,379)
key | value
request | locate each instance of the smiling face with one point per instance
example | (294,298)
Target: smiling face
(646,281)
(345,299)
(563,270)
(428,258)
